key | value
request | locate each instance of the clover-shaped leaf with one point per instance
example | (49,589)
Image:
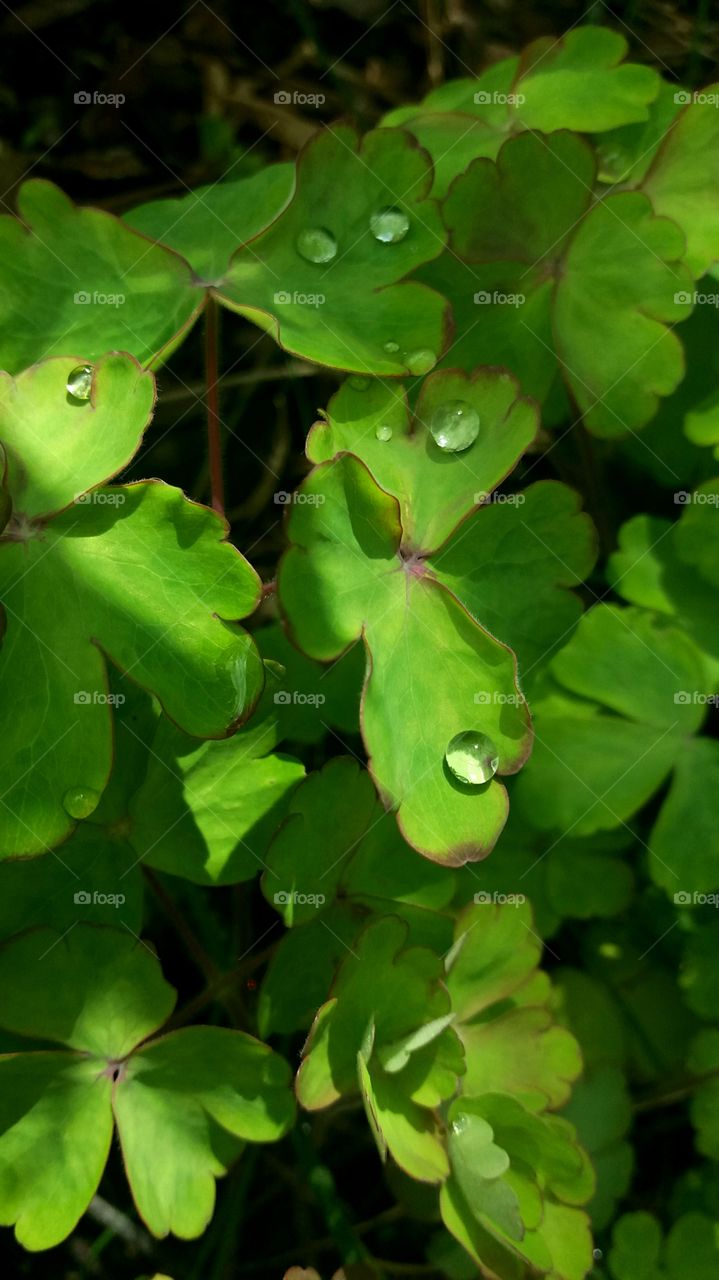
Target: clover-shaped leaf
(137,575)
(613,268)
(79,280)
(358,223)
(679,183)
(180,1103)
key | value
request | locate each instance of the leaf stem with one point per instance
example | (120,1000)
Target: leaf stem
(214,438)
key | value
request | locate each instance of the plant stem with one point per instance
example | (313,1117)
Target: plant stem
(214,439)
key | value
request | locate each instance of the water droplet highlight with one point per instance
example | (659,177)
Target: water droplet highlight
(421,361)
(472,757)
(316,244)
(79,382)
(80,802)
(383,432)
(389,225)
(390,347)
(454,425)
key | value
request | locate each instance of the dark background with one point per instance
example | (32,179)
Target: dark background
(199,82)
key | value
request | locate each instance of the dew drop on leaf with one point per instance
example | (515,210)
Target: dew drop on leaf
(454,425)
(316,244)
(80,802)
(421,361)
(79,382)
(389,225)
(472,757)
(383,432)
(390,347)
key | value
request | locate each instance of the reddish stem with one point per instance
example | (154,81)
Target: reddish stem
(214,441)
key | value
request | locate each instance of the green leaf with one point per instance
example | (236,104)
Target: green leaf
(348,531)
(176,1103)
(55,1133)
(411,1133)
(684,838)
(682,186)
(618,277)
(96,990)
(169,621)
(207,225)
(341,184)
(78,282)
(310,699)
(301,971)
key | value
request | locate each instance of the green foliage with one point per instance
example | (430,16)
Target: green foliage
(450,662)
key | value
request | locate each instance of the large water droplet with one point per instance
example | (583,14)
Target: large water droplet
(421,361)
(454,425)
(383,432)
(390,347)
(80,802)
(79,382)
(389,225)
(472,757)
(316,244)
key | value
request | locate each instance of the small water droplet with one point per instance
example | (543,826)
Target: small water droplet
(316,244)
(460,1125)
(421,361)
(472,757)
(383,432)
(389,225)
(357,382)
(390,347)
(80,802)
(79,382)
(454,425)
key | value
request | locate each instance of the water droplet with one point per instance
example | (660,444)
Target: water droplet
(421,361)
(472,757)
(459,1125)
(389,225)
(80,802)
(383,432)
(316,244)
(390,347)
(79,382)
(357,382)
(454,425)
